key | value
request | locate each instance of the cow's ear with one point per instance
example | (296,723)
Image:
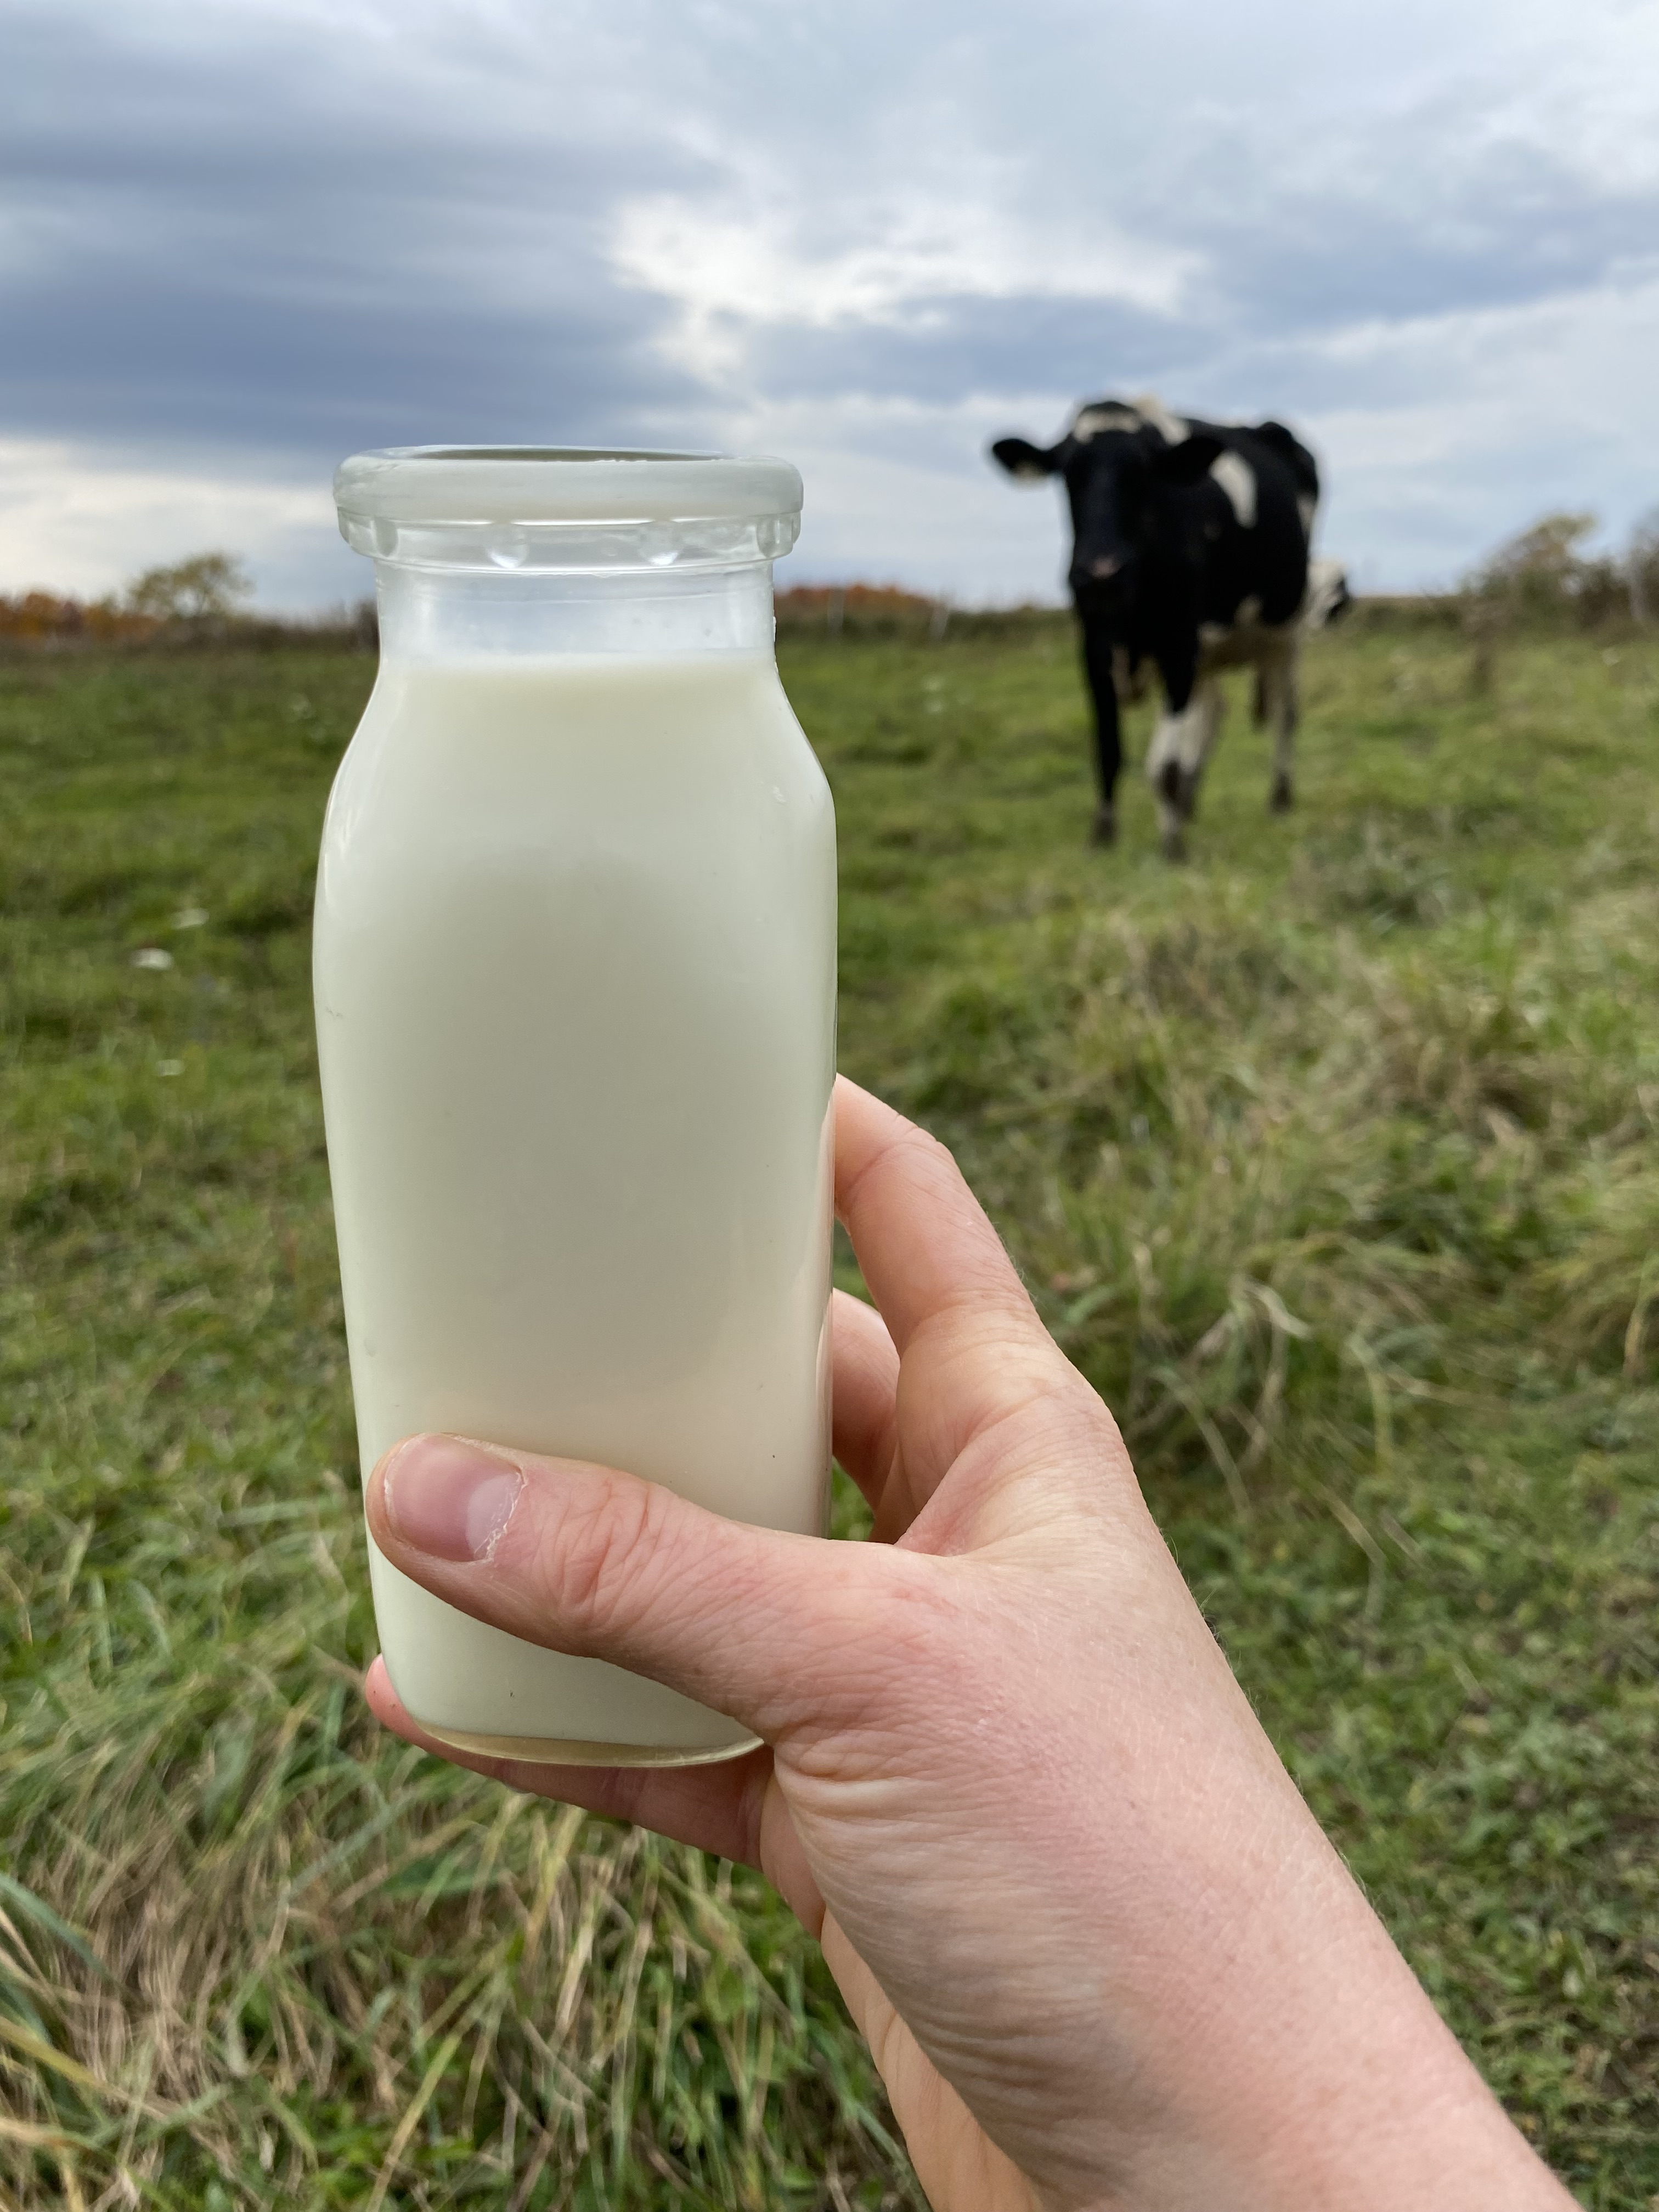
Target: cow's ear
(1185,464)
(1022,458)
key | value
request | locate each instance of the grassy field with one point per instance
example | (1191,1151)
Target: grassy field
(1330,1158)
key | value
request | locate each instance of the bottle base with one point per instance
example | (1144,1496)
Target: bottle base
(558,1751)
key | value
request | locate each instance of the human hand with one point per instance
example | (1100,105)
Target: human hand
(1101,1951)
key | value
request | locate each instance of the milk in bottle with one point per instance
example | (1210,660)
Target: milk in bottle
(575,974)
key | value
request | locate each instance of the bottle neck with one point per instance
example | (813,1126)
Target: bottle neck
(455,614)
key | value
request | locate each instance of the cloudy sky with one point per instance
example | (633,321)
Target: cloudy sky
(245,237)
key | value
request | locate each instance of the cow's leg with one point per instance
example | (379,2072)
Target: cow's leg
(1129,674)
(1208,707)
(1097,666)
(1280,690)
(1176,758)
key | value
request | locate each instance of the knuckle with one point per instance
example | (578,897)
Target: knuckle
(597,1554)
(936,1155)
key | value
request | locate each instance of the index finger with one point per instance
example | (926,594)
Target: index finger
(921,1236)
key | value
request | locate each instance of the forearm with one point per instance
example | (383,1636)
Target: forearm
(1316,2073)
(1374,2106)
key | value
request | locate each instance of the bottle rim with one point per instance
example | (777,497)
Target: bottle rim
(435,486)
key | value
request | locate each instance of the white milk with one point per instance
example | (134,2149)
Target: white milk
(575,974)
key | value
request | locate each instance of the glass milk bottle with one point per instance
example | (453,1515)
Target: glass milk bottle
(576,975)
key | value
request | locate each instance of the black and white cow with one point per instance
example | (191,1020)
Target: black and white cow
(1190,545)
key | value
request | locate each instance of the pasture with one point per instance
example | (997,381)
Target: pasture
(1329,1157)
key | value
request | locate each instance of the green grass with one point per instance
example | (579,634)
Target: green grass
(1330,1158)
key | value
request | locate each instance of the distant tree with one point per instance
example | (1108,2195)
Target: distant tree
(1545,552)
(206,587)
(1544,575)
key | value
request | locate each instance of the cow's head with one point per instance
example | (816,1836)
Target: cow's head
(1119,464)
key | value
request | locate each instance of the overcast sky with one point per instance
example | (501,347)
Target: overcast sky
(243,238)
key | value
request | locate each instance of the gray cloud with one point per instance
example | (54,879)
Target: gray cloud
(963,345)
(154,355)
(201,253)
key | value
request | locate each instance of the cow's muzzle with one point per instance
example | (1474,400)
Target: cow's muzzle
(1104,575)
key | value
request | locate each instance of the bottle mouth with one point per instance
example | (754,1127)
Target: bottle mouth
(532,453)
(530,509)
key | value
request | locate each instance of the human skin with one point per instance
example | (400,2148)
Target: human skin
(1100,1949)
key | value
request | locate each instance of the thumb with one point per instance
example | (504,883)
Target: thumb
(757,1624)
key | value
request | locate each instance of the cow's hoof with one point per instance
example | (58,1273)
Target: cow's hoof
(1103,830)
(1279,800)
(1173,841)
